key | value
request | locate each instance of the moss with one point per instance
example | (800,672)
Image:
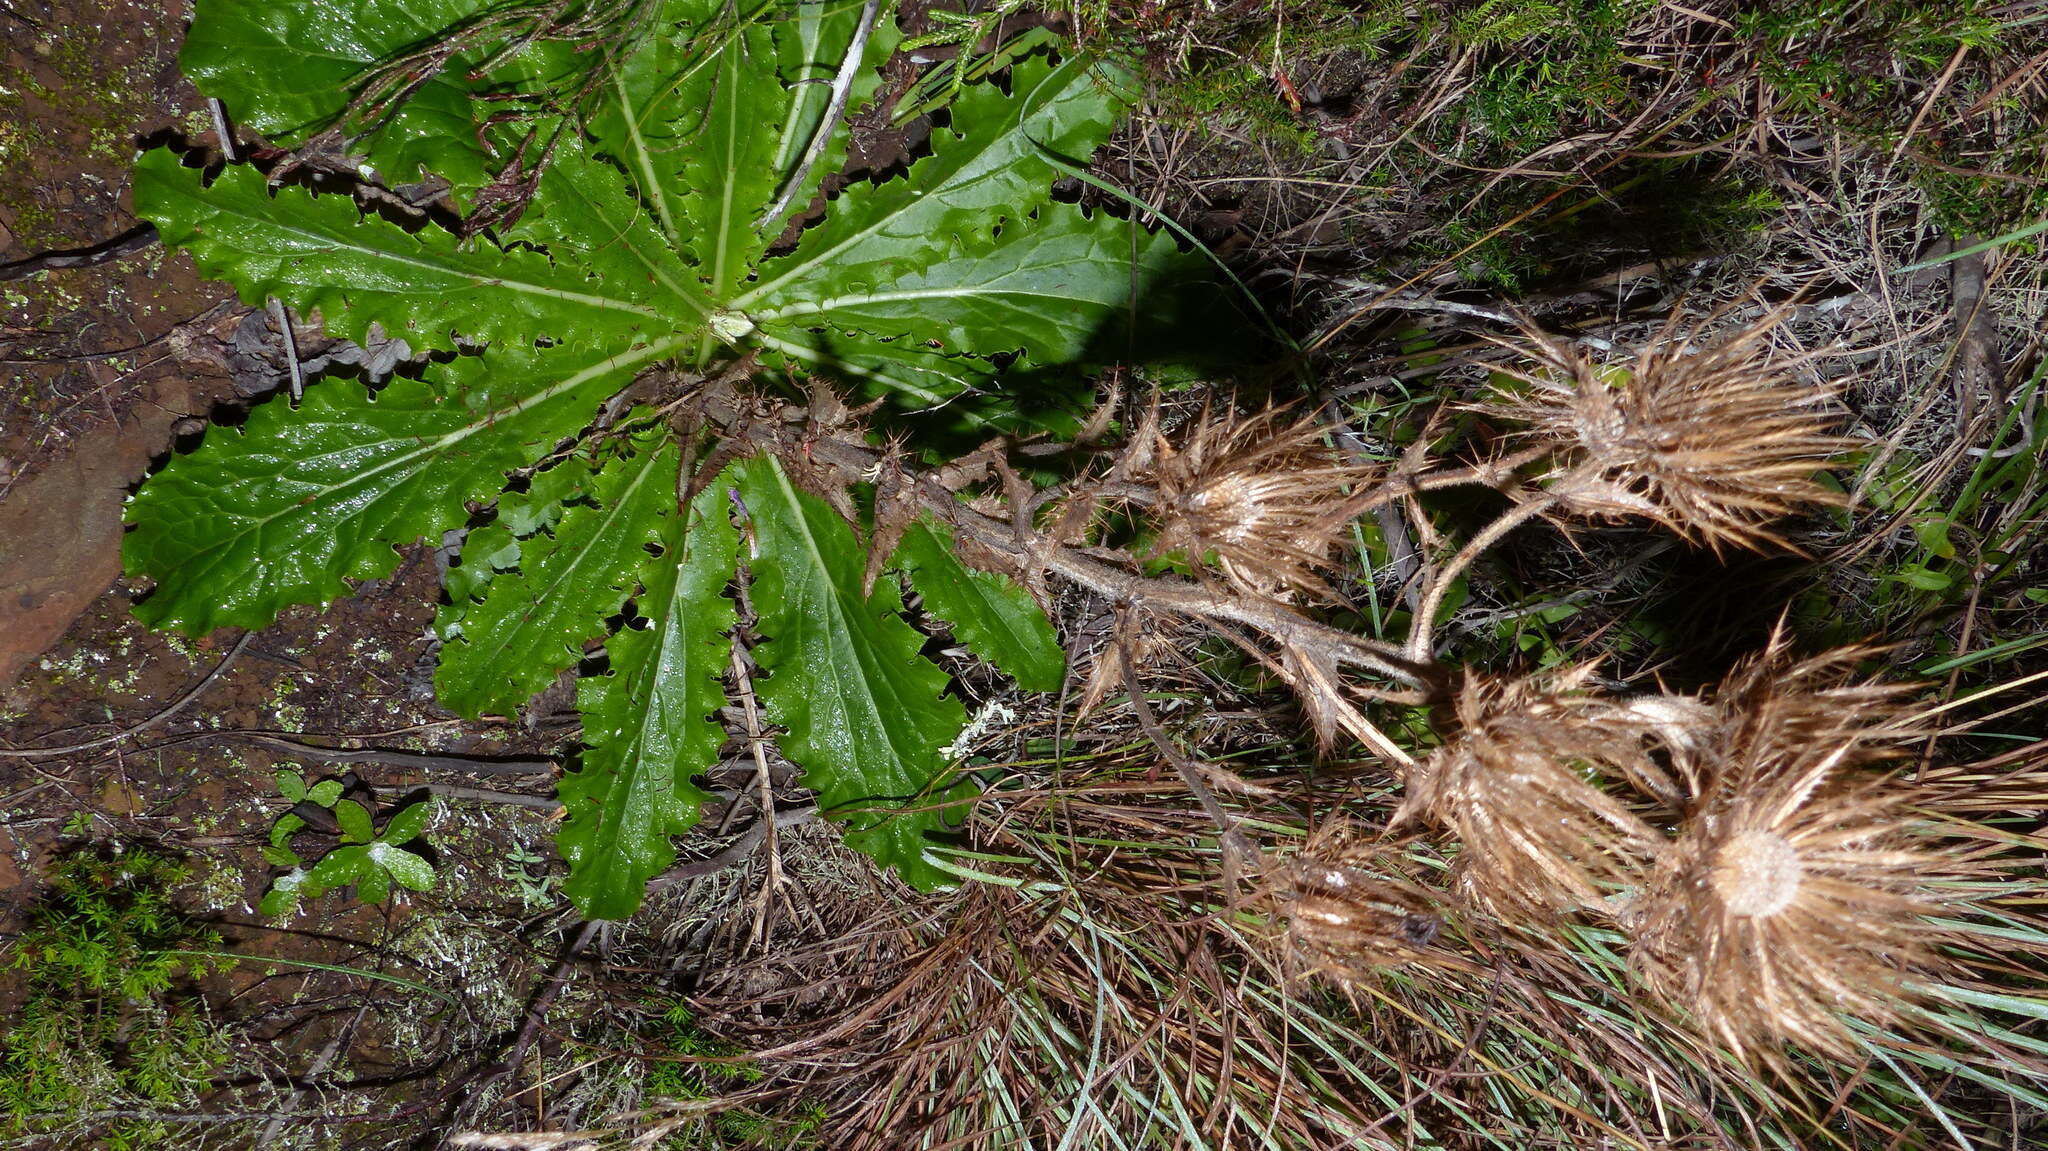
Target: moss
(101,1024)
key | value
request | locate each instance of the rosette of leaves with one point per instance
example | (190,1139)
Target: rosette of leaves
(633,175)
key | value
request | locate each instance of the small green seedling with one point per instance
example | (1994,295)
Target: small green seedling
(365,857)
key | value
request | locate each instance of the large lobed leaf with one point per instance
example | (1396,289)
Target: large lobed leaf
(863,712)
(318,253)
(969,254)
(648,722)
(532,623)
(289,509)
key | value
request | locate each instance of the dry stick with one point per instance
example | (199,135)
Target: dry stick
(221,133)
(415,759)
(1238,851)
(842,87)
(738,850)
(744,684)
(1179,597)
(282,317)
(547,803)
(278,314)
(275,1127)
(1440,586)
(133,240)
(152,721)
(558,978)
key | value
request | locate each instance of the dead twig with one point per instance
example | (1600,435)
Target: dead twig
(107,741)
(127,243)
(1239,856)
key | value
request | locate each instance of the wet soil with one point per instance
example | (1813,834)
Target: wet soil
(134,737)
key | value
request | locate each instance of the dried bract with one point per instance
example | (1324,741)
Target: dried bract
(1523,785)
(1796,896)
(1268,498)
(1347,914)
(1790,904)
(1713,444)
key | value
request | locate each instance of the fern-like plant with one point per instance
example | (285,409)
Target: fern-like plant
(637,186)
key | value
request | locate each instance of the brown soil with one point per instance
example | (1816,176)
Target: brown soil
(105,365)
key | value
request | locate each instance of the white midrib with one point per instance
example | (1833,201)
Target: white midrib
(521,286)
(643,159)
(450,439)
(982,291)
(799,351)
(843,624)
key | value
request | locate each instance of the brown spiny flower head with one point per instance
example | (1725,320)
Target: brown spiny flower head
(1350,908)
(1262,493)
(1714,443)
(1797,893)
(1532,784)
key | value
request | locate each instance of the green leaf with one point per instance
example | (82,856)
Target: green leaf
(1923,579)
(970,254)
(287,825)
(373,882)
(529,626)
(863,712)
(640,123)
(968,187)
(813,46)
(995,618)
(283,897)
(1933,536)
(1052,292)
(587,213)
(339,868)
(279,856)
(291,785)
(493,549)
(320,253)
(730,167)
(355,822)
(293,506)
(410,870)
(649,720)
(406,824)
(323,793)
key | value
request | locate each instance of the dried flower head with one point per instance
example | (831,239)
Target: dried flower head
(1267,497)
(1796,895)
(1713,443)
(1525,784)
(1349,910)
(1789,904)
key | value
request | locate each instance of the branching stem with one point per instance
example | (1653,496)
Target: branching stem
(1419,636)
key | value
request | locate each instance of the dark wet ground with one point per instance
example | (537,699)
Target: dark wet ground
(103,366)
